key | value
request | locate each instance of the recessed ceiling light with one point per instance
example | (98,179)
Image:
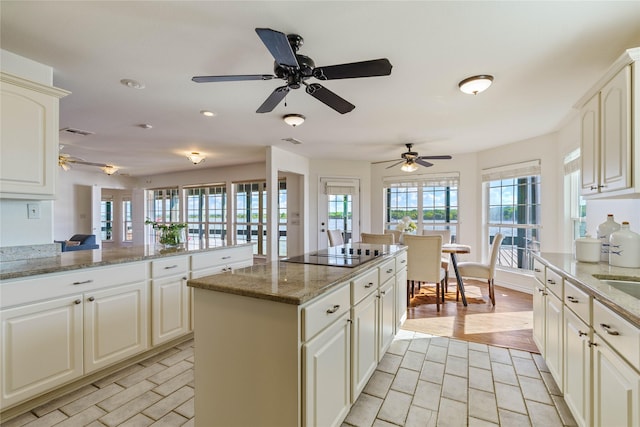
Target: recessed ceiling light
(132,84)
(207,113)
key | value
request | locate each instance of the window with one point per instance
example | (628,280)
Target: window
(163,207)
(431,201)
(576,205)
(127,220)
(282,218)
(106,219)
(513,209)
(251,215)
(206,216)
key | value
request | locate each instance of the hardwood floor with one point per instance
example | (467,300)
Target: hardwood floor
(507,324)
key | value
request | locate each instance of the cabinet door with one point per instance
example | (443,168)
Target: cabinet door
(616,388)
(401,298)
(577,368)
(41,347)
(364,338)
(327,375)
(169,309)
(115,324)
(539,320)
(615,147)
(554,337)
(387,317)
(590,145)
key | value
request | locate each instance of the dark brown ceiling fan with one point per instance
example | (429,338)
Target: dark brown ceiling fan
(296,69)
(410,158)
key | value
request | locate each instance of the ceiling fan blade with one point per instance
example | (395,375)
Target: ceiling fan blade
(436,157)
(329,98)
(423,163)
(279,46)
(386,161)
(375,67)
(395,164)
(273,100)
(209,79)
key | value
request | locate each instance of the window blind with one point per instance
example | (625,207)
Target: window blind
(339,187)
(449,179)
(515,170)
(572,162)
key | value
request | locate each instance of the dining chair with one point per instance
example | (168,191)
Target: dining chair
(446,259)
(396,235)
(380,239)
(424,263)
(335,237)
(484,271)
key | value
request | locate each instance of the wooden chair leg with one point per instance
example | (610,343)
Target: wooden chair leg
(492,292)
(438,296)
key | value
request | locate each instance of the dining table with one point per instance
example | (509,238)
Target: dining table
(454,249)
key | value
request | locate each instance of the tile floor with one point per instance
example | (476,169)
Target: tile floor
(421,381)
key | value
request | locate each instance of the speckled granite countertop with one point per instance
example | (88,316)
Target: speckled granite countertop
(287,282)
(75,260)
(582,275)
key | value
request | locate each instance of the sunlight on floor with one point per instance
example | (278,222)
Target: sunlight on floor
(497,322)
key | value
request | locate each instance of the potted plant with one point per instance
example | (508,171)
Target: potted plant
(168,235)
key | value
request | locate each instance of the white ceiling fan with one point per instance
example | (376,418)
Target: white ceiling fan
(65,161)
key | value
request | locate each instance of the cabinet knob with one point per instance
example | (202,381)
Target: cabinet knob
(390,270)
(368,285)
(537,270)
(333,309)
(551,281)
(593,187)
(91,299)
(77,301)
(184,278)
(592,344)
(582,334)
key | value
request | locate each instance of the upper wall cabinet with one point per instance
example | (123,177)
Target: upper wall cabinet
(609,139)
(29,138)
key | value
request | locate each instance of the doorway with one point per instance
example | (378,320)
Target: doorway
(339,209)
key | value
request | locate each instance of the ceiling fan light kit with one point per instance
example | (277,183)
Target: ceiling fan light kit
(109,169)
(294,120)
(409,167)
(295,69)
(195,157)
(476,84)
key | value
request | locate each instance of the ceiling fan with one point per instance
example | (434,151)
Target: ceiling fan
(296,69)
(410,160)
(65,161)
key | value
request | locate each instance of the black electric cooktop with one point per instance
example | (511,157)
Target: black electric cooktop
(350,255)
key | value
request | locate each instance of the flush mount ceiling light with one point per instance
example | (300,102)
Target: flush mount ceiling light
(132,84)
(294,119)
(409,166)
(195,157)
(207,113)
(476,84)
(109,169)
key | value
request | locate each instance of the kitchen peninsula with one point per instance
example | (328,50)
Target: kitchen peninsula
(94,311)
(294,343)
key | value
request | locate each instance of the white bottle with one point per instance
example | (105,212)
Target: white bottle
(624,247)
(603,232)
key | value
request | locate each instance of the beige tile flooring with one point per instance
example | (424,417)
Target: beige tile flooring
(421,381)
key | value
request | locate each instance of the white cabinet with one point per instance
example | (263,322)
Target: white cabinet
(169,299)
(115,325)
(554,337)
(616,388)
(401,290)
(29,138)
(387,320)
(608,139)
(327,378)
(364,338)
(577,367)
(41,347)
(539,302)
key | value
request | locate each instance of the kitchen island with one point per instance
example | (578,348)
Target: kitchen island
(293,344)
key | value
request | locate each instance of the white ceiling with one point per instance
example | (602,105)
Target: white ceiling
(543,55)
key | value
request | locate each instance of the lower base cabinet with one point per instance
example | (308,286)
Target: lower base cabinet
(554,337)
(387,318)
(170,309)
(577,368)
(364,338)
(326,394)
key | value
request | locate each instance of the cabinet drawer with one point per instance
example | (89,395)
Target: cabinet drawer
(363,285)
(222,257)
(538,271)
(387,270)
(620,334)
(401,261)
(578,302)
(554,283)
(321,313)
(38,288)
(169,266)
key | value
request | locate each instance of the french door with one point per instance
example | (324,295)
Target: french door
(338,209)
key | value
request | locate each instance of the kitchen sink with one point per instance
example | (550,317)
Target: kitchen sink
(627,286)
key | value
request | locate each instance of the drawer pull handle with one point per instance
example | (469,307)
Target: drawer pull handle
(390,270)
(403,261)
(77,301)
(368,285)
(537,270)
(169,267)
(83,282)
(541,291)
(333,309)
(91,299)
(608,329)
(184,278)
(383,293)
(551,281)
(572,299)
(582,334)
(226,257)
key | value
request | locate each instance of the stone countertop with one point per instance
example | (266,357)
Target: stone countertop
(75,260)
(582,275)
(287,282)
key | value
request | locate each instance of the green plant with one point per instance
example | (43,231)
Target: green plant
(170,234)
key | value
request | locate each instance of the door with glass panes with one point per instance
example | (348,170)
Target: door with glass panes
(338,209)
